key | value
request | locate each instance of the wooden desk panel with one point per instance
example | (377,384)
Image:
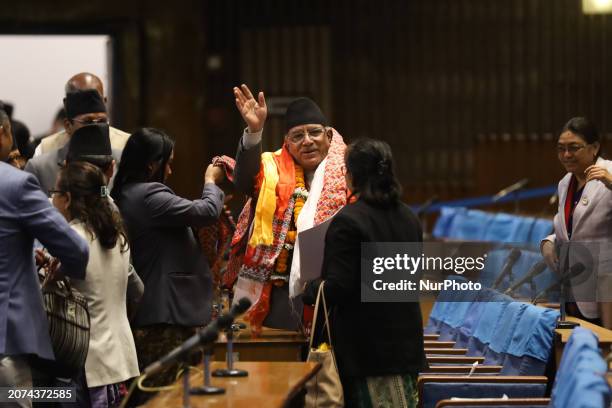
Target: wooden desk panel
(604,335)
(269,384)
(273,345)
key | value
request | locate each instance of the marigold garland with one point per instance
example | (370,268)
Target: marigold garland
(300,194)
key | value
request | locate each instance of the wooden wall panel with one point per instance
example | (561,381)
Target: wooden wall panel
(469,93)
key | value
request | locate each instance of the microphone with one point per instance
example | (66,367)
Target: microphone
(535,270)
(575,270)
(242,305)
(519,185)
(206,335)
(514,255)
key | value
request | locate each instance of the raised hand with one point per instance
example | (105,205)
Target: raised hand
(254,112)
(600,173)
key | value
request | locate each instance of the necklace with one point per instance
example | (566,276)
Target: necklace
(300,195)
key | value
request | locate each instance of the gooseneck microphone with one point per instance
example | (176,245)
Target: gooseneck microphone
(513,256)
(230,371)
(519,185)
(204,336)
(575,270)
(535,270)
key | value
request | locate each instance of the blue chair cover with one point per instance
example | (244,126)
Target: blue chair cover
(502,334)
(523,229)
(443,307)
(502,228)
(492,266)
(522,266)
(491,314)
(436,391)
(472,317)
(531,343)
(580,380)
(444,221)
(470,225)
(541,229)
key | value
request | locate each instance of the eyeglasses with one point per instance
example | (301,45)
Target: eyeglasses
(572,148)
(298,136)
(51,192)
(91,121)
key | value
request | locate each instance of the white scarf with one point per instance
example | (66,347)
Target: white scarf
(304,222)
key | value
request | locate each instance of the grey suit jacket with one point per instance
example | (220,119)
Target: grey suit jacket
(166,254)
(26,214)
(46,167)
(591,241)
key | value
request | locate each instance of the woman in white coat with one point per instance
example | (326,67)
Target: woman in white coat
(80,195)
(584,217)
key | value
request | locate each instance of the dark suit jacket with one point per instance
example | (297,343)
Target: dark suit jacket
(46,167)
(165,253)
(285,313)
(25,214)
(370,339)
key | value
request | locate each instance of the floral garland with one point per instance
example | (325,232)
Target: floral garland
(300,194)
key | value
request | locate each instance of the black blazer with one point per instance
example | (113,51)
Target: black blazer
(166,254)
(370,339)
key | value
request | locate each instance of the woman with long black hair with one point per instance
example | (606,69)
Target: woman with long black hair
(80,195)
(165,253)
(378,346)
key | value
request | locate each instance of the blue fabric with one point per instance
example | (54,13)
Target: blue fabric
(502,334)
(523,229)
(522,266)
(534,333)
(541,229)
(492,266)
(470,225)
(524,365)
(503,228)
(483,332)
(434,392)
(580,380)
(444,221)
(472,317)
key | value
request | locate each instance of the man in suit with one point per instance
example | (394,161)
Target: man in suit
(82,108)
(80,82)
(26,214)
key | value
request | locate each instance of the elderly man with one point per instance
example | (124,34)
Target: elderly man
(26,214)
(293,189)
(82,108)
(81,82)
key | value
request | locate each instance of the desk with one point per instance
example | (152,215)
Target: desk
(562,335)
(269,384)
(272,345)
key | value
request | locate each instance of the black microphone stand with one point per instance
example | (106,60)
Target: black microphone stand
(230,371)
(562,323)
(207,388)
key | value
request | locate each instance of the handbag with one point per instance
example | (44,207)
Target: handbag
(69,325)
(324,390)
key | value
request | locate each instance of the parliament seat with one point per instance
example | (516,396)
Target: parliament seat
(580,382)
